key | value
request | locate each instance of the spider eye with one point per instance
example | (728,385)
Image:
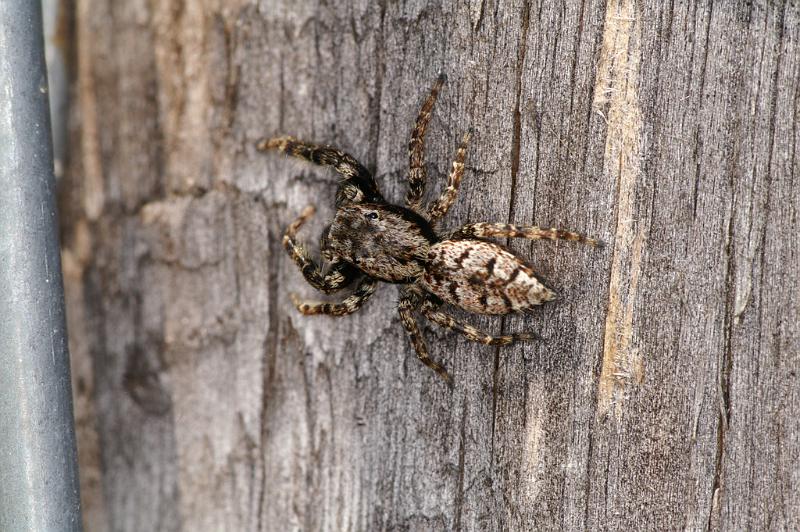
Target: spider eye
(371,215)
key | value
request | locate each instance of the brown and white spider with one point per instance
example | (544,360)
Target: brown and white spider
(377,241)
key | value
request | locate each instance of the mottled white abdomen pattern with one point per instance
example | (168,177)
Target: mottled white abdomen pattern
(482,277)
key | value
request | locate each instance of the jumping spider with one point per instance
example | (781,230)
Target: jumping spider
(378,241)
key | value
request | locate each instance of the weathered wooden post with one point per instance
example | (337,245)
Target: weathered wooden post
(665,392)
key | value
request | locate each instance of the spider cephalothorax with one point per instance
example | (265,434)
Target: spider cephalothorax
(387,242)
(377,241)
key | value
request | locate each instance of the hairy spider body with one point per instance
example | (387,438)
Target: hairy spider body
(374,240)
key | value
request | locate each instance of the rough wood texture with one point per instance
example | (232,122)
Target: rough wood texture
(666,394)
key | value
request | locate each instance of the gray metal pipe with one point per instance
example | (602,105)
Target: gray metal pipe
(55,54)
(38,462)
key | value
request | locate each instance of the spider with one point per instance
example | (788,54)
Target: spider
(375,240)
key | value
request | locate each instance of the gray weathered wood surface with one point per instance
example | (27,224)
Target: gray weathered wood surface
(666,394)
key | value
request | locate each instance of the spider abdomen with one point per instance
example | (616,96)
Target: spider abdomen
(482,277)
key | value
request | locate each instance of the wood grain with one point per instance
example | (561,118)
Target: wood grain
(665,393)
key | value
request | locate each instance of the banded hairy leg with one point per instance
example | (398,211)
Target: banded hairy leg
(340,273)
(418,174)
(358,184)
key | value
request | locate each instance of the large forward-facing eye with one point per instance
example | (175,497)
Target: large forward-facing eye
(371,215)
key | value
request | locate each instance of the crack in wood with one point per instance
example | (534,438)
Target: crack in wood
(617,89)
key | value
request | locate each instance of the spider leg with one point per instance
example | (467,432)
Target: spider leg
(349,305)
(417,175)
(532,232)
(440,207)
(406,309)
(348,167)
(340,274)
(429,310)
